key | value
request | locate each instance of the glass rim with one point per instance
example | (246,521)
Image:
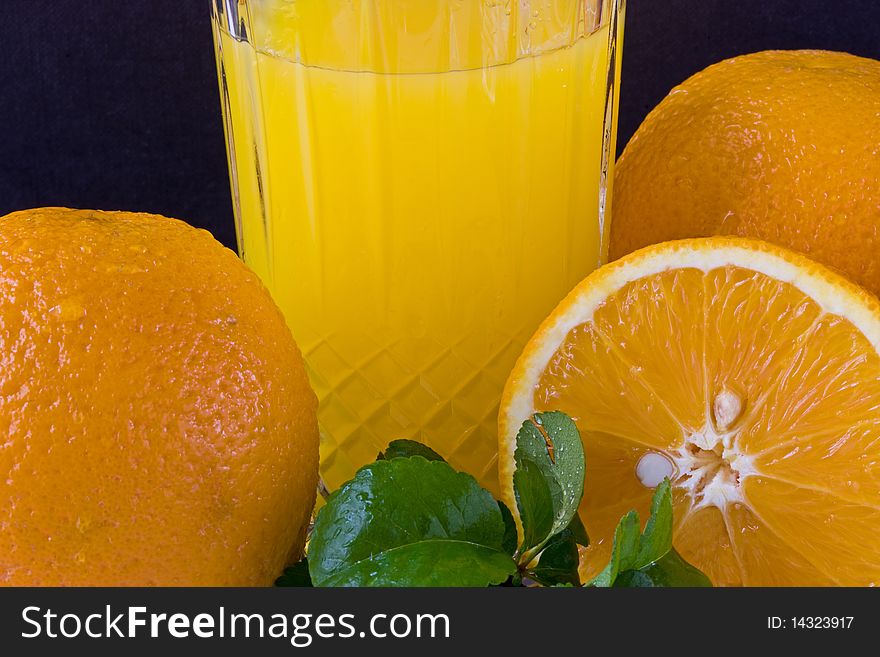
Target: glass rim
(234,18)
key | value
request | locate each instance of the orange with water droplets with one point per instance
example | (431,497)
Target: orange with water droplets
(157,424)
(782,146)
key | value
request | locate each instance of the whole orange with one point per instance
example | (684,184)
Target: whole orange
(156,423)
(782,146)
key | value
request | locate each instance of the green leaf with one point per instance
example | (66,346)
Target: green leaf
(623,551)
(409,522)
(657,538)
(558,563)
(405,448)
(669,571)
(648,559)
(549,460)
(510,536)
(534,500)
(295,575)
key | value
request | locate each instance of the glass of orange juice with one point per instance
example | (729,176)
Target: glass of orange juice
(418,183)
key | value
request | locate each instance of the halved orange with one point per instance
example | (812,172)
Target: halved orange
(750,376)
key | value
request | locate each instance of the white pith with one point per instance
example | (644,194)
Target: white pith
(712,475)
(708,465)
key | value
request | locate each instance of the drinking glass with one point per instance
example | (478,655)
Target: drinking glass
(418,183)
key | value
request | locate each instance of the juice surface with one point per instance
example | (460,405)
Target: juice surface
(414,226)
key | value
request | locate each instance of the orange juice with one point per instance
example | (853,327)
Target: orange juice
(418,183)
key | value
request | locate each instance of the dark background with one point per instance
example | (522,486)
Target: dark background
(113,104)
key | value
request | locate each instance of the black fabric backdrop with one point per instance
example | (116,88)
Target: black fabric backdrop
(113,104)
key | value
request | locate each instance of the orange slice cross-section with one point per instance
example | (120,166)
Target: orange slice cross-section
(747,374)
